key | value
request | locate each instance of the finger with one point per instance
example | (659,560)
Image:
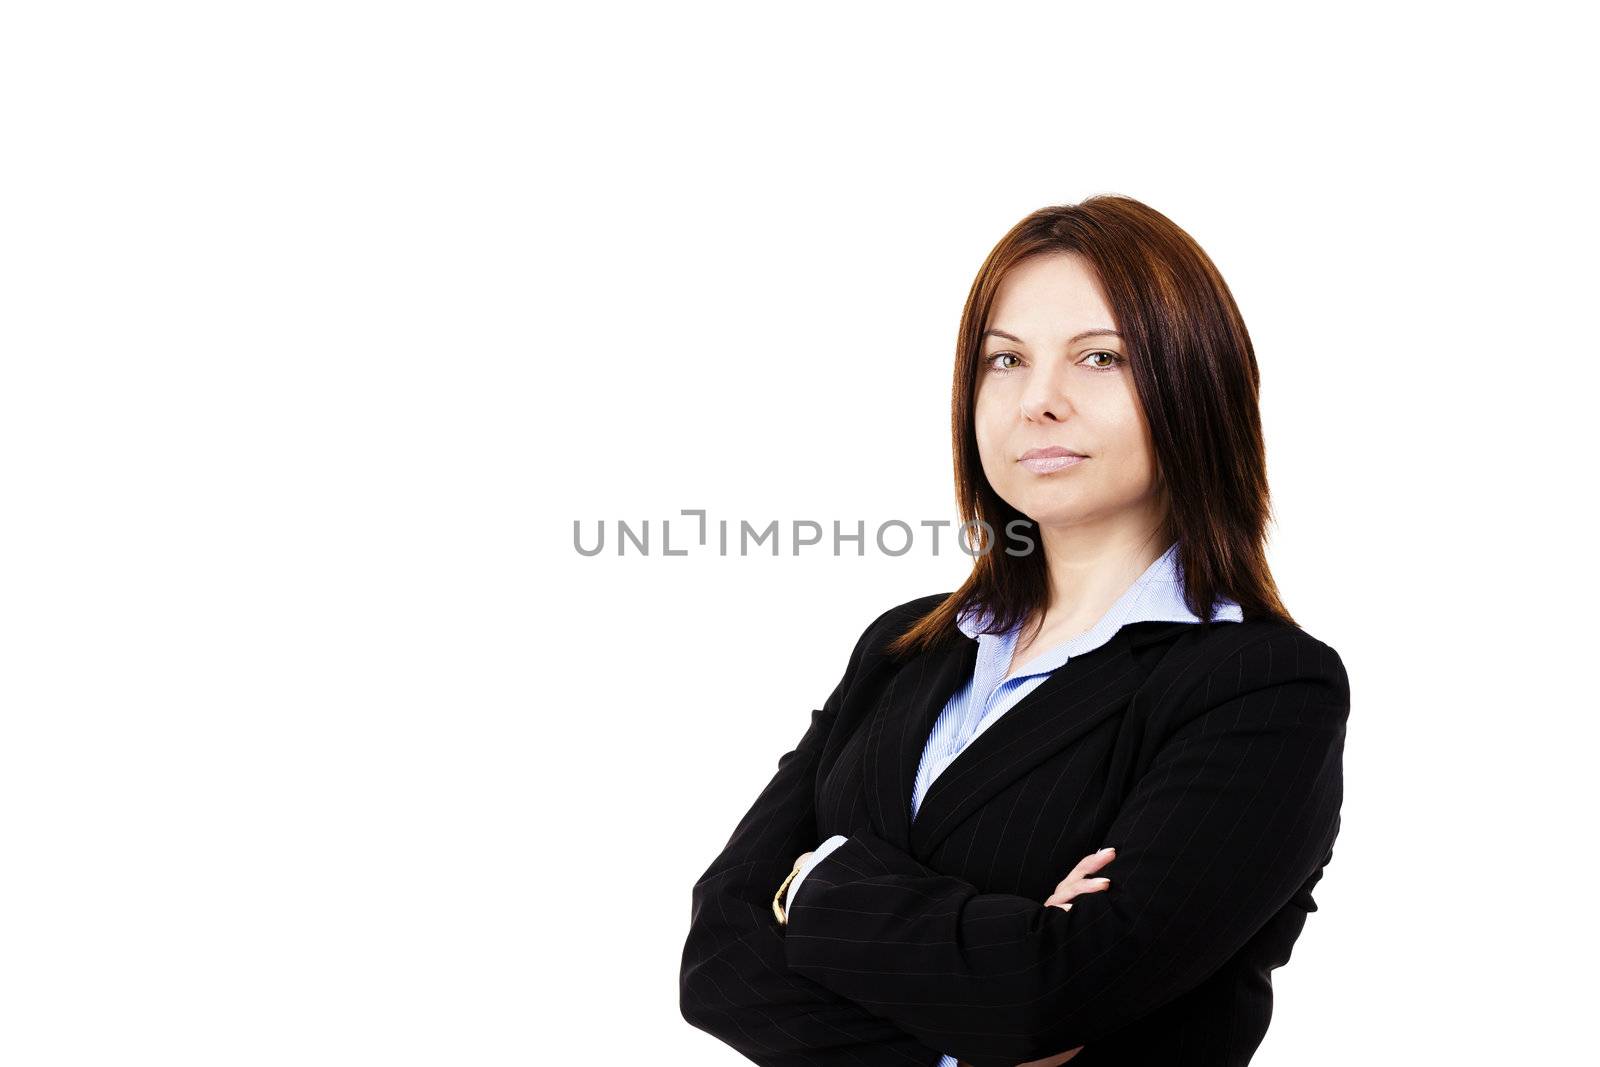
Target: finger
(1074,886)
(1092,865)
(1093,862)
(1066,885)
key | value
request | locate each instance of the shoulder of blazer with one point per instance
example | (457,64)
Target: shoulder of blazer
(896,621)
(900,618)
(1211,665)
(893,622)
(869,660)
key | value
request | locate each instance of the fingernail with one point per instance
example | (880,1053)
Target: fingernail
(1108,848)
(1099,879)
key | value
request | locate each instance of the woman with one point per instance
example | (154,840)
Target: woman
(1115,688)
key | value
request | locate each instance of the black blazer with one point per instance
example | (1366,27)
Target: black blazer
(1210,755)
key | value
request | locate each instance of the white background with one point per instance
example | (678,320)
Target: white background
(322,323)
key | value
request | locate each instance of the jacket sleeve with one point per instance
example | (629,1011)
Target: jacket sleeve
(1240,806)
(733,980)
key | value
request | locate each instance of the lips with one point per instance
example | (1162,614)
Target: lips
(1053,452)
(1050,460)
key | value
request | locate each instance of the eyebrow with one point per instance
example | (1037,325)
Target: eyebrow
(1074,339)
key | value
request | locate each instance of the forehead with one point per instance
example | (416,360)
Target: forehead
(1048,298)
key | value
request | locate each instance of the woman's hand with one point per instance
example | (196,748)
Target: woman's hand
(1079,881)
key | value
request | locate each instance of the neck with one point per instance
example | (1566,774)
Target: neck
(1091,565)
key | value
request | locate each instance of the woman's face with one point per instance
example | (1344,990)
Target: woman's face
(1053,372)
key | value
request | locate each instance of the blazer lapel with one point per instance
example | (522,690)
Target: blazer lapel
(1063,707)
(897,734)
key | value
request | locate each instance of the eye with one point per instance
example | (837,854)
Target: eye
(1116,360)
(991,360)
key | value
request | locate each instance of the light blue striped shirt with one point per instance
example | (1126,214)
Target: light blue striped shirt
(1155,596)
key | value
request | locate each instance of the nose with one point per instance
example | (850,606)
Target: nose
(1043,399)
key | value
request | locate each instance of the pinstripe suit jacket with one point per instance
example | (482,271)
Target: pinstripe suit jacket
(1209,755)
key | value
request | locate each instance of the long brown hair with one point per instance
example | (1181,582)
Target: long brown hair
(1196,376)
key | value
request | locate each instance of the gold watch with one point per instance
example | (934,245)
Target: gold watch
(777,899)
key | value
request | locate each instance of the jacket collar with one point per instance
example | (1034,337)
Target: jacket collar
(1155,596)
(1104,673)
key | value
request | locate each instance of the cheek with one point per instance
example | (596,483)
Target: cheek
(1122,433)
(1133,436)
(1134,447)
(987,424)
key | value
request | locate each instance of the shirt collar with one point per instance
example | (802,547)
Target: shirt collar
(1155,596)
